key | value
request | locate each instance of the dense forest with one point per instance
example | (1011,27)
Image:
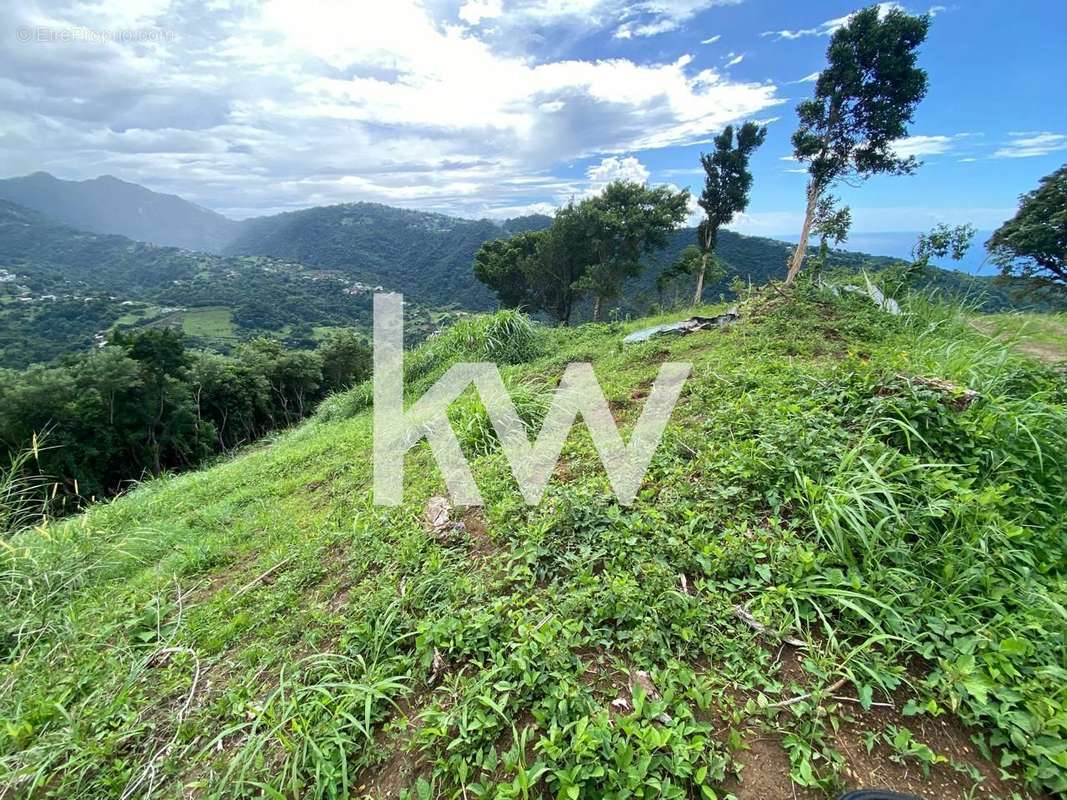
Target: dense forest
(145,403)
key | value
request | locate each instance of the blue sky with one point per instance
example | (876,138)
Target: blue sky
(500,107)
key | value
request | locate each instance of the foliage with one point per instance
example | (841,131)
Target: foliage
(623,223)
(864,99)
(915,545)
(145,404)
(942,241)
(830,224)
(727,183)
(592,247)
(1033,244)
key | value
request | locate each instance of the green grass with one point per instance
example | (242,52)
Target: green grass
(210,322)
(1043,336)
(261,629)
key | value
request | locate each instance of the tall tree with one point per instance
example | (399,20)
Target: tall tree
(1033,244)
(590,248)
(864,101)
(691,261)
(626,221)
(727,182)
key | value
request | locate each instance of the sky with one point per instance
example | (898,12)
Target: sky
(495,108)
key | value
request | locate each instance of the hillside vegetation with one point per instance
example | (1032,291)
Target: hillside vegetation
(62,290)
(835,573)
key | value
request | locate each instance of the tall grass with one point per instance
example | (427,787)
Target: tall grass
(23,492)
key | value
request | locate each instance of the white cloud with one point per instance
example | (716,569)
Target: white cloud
(618,169)
(711,39)
(474,11)
(736,60)
(256,108)
(925,145)
(1027,144)
(829,26)
(810,78)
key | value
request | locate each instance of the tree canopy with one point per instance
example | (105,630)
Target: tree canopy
(864,100)
(727,183)
(1033,243)
(591,249)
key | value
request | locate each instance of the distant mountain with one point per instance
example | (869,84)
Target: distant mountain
(108,205)
(426,256)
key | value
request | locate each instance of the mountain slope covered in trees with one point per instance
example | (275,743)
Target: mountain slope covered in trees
(427,256)
(62,290)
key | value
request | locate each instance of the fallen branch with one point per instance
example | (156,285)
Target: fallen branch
(743,614)
(802,697)
(961,397)
(259,578)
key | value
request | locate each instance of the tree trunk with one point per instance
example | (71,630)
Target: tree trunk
(699,293)
(805,232)
(596,309)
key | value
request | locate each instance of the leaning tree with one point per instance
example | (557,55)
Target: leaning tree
(1033,244)
(863,102)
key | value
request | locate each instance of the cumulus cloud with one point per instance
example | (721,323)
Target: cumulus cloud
(474,11)
(250,108)
(1027,144)
(618,169)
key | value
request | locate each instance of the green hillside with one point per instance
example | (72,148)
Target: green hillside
(64,289)
(838,571)
(426,256)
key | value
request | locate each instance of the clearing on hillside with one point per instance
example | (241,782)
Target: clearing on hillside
(841,570)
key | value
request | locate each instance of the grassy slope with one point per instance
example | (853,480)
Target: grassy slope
(1043,336)
(262,624)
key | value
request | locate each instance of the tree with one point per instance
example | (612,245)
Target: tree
(591,247)
(943,241)
(346,360)
(831,225)
(1033,244)
(692,261)
(502,265)
(626,221)
(863,102)
(727,182)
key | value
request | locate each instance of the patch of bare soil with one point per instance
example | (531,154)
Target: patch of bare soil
(1042,351)
(400,767)
(764,771)
(962,773)
(966,773)
(478,538)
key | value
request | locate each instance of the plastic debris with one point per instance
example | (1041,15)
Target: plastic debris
(691,325)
